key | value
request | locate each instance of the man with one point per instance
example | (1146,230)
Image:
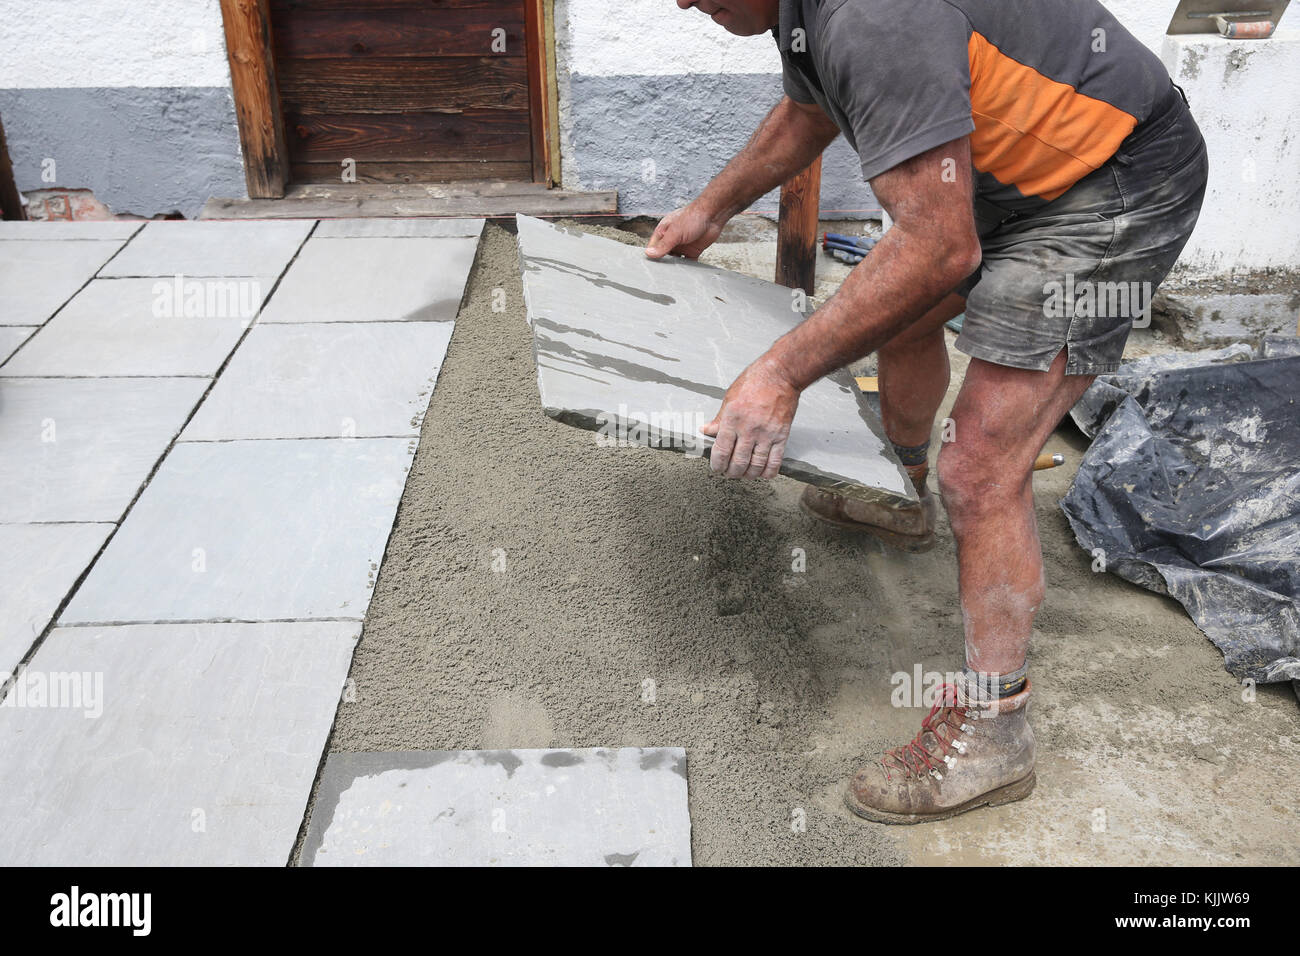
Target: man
(1021,147)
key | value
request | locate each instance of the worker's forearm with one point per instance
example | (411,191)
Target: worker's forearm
(907,274)
(787,141)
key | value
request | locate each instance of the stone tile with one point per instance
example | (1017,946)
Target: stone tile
(12,336)
(323,380)
(36,277)
(645,351)
(117,229)
(203,752)
(39,564)
(426,228)
(253,248)
(79,449)
(251,531)
(142,327)
(602,807)
(367,280)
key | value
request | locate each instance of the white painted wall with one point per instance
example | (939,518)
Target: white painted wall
(1245,95)
(111,43)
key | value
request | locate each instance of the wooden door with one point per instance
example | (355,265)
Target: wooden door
(410,91)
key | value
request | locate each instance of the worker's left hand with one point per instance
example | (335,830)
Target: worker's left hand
(753,423)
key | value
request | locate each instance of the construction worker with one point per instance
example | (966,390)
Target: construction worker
(1021,148)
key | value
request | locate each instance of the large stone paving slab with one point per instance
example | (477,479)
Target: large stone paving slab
(251,531)
(141,327)
(423,227)
(38,276)
(39,564)
(203,752)
(374,279)
(325,380)
(644,351)
(79,449)
(257,248)
(116,229)
(596,807)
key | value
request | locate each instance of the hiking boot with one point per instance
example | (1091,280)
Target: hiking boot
(906,525)
(967,754)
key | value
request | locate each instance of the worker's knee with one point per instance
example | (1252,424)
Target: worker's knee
(975,477)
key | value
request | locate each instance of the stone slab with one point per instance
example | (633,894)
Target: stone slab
(251,531)
(79,449)
(203,753)
(375,279)
(133,327)
(38,276)
(12,336)
(169,248)
(65,231)
(325,380)
(424,227)
(644,352)
(39,564)
(594,807)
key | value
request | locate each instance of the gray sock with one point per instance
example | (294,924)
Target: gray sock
(996,686)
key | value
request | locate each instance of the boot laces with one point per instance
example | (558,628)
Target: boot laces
(915,759)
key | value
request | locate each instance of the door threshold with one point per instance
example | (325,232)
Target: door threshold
(400,200)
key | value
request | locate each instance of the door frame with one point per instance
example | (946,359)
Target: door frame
(247,26)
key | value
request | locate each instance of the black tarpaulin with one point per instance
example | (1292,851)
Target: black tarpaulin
(1192,488)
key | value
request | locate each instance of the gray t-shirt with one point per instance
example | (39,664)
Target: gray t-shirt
(1046,89)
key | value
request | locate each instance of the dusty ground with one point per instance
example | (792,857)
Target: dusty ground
(625,567)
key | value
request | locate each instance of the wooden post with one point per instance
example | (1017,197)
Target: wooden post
(11,203)
(796,229)
(257,99)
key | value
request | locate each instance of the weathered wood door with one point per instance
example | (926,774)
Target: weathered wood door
(410,91)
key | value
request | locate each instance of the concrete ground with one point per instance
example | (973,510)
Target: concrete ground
(541,591)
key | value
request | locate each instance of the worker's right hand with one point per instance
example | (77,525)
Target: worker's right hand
(684,232)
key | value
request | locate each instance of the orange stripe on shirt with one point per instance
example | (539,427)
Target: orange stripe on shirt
(1036,133)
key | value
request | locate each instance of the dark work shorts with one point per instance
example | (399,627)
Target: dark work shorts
(1079,272)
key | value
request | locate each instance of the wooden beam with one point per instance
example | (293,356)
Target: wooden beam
(11,203)
(535,46)
(257,100)
(796,229)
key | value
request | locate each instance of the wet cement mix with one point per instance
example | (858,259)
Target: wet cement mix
(540,590)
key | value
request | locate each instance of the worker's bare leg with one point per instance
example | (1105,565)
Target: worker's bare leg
(914,375)
(975,748)
(913,382)
(1002,419)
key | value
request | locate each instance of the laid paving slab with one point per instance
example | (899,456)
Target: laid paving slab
(643,351)
(38,276)
(423,227)
(174,744)
(79,449)
(66,231)
(325,380)
(12,336)
(142,327)
(374,280)
(251,531)
(257,248)
(39,564)
(593,807)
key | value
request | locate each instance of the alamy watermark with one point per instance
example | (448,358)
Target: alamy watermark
(182,298)
(56,690)
(679,431)
(1068,299)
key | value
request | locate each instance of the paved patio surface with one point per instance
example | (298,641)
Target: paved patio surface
(205,430)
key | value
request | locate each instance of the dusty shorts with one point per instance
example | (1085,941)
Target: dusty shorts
(1077,273)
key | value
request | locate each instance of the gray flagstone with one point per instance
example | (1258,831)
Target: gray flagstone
(643,352)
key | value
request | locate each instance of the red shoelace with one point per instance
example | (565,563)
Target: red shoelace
(915,758)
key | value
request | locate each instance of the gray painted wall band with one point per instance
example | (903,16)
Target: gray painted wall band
(689,126)
(141,150)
